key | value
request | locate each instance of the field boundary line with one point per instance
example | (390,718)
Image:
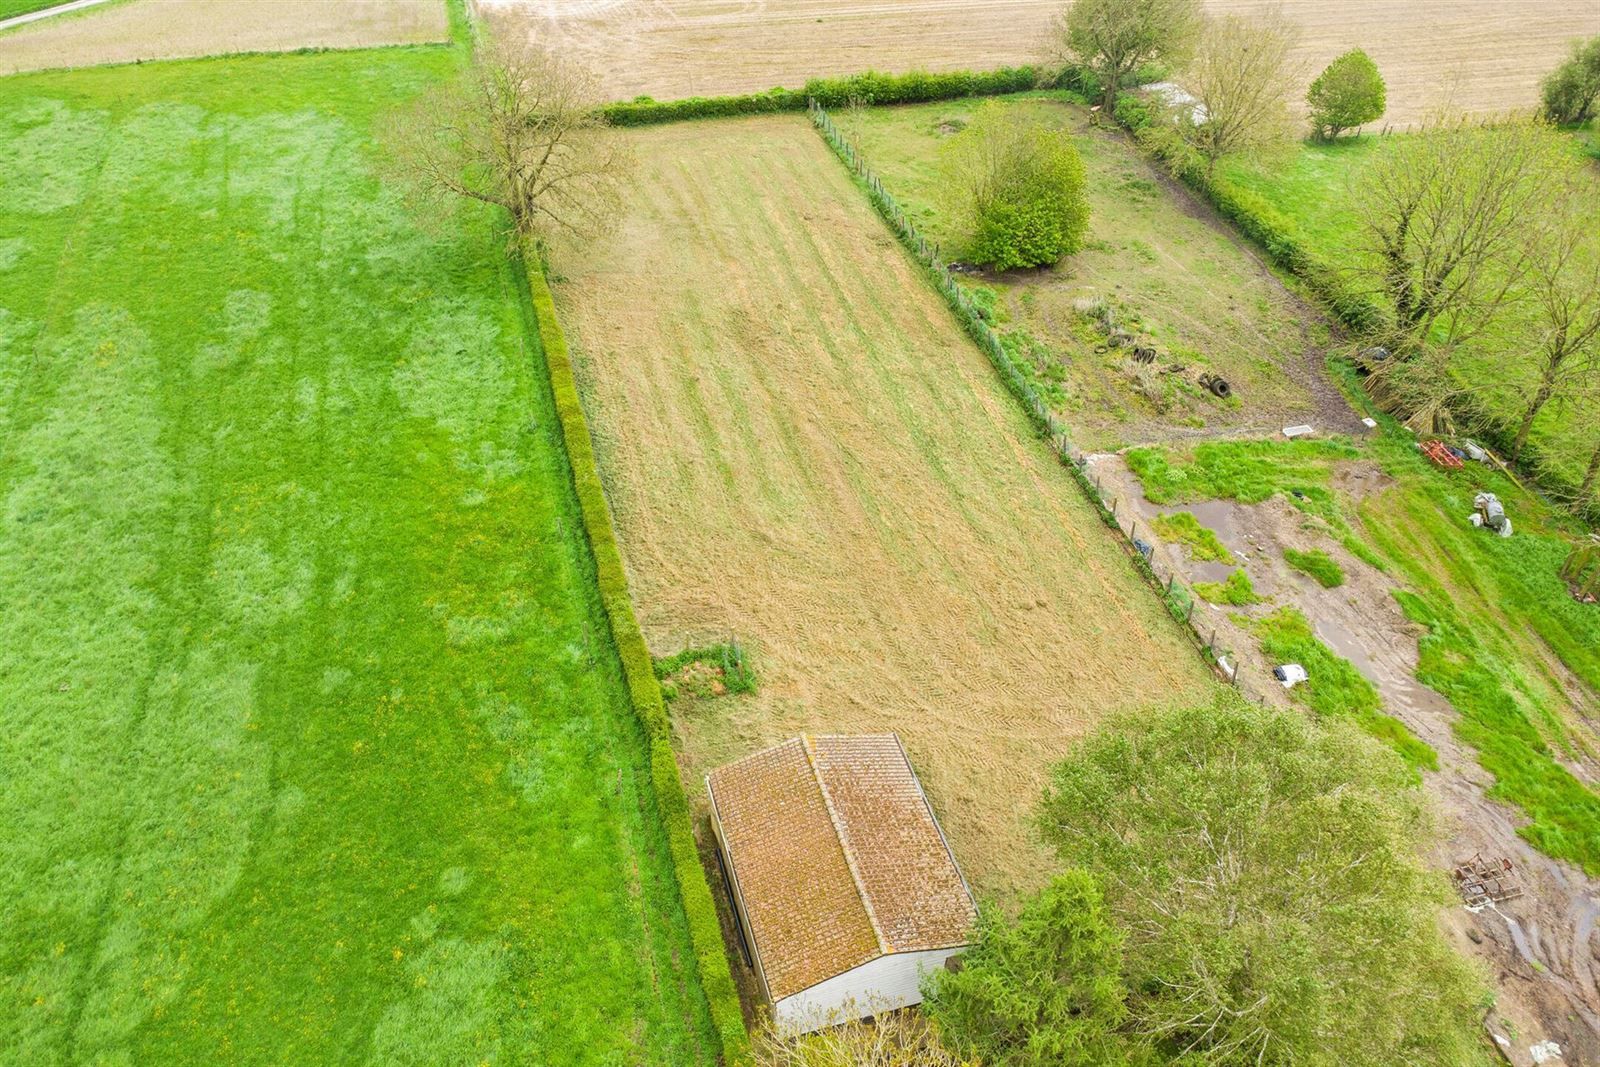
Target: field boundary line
(869,88)
(1175,596)
(638,668)
(65,8)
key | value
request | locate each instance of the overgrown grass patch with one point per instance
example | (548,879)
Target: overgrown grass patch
(1564,813)
(1316,563)
(1246,471)
(1336,689)
(1237,591)
(317,748)
(1184,528)
(1151,268)
(713,670)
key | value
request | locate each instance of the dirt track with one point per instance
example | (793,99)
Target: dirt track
(1539,949)
(802,451)
(1484,55)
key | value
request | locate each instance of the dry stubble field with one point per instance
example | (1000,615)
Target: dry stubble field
(802,451)
(1481,55)
(172,29)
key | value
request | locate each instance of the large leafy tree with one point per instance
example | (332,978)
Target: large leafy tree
(1562,289)
(1347,95)
(1042,991)
(1442,216)
(1267,872)
(1570,91)
(1019,186)
(1114,38)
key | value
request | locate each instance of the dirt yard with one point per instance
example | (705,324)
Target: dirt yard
(804,453)
(1483,55)
(172,29)
(1538,949)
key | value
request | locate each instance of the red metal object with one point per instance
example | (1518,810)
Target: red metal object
(1441,456)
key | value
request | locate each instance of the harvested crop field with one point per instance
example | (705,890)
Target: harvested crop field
(171,29)
(1485,55)
(803,452)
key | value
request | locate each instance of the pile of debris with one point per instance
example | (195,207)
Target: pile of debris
(1143,354)
(1488,513)
(1581,572)
(1482,881)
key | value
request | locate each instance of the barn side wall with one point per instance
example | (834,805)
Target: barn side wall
(892,981)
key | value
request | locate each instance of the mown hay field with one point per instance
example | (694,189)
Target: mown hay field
(1482,55)
(133,30)
(804,453)
(315,749)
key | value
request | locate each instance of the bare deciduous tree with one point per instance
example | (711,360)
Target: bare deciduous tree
(1114,38)
(1242,76)
(1442,216)
(1563,288)
(519,128)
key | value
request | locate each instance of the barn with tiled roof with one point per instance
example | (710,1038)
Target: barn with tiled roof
(844,887)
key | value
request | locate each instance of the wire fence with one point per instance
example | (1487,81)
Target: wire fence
(1176,596)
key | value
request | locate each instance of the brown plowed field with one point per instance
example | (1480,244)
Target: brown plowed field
(176,29)
(803,452)
(1481,55)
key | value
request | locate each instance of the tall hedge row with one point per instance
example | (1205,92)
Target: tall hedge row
(705,929)
(870,88)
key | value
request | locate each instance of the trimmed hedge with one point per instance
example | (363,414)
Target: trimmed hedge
(644,691)
(870,88)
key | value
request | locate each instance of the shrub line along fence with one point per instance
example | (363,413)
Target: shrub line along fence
(644,690)
(868,88)
(1177,598)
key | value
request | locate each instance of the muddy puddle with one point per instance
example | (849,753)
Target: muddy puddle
(1539,949)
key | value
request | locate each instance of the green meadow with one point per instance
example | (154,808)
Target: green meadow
(315,748)
(1314,188)
(12,8)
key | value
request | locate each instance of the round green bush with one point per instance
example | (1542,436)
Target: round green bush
(1024,183)
(1348,94)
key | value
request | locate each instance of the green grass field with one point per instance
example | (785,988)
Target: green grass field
(12,8)
(315,750)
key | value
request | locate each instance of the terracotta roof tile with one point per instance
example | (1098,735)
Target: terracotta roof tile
(837,856)
(805,912)
(912,886)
